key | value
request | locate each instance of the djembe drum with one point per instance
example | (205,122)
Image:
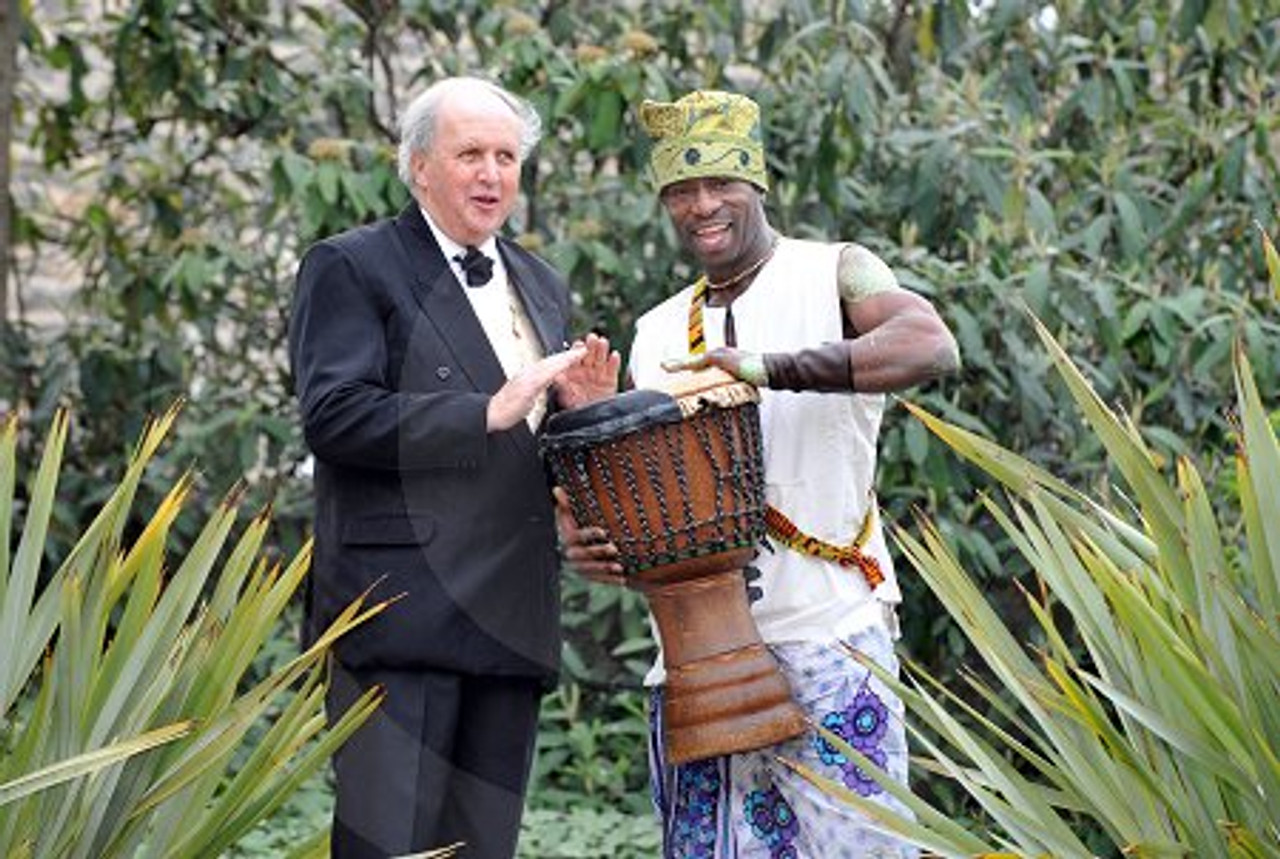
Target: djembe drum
(677,482)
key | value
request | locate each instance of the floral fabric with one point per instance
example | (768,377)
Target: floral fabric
(751,806)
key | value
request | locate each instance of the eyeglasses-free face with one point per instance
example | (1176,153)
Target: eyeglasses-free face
(469,179)
(720,221)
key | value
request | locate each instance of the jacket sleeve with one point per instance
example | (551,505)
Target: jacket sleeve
(352,414)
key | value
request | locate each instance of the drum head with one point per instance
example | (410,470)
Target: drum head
(611,418)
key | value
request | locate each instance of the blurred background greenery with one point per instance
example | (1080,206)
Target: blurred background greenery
(1104,163)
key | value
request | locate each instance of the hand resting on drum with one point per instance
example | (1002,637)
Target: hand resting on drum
(587,551)
(747,366)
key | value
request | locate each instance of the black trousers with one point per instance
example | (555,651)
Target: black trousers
(445,760)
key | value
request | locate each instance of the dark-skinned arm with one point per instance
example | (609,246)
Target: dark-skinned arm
(895,339)
(901,342)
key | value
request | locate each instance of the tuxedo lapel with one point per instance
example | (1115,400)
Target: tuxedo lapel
(440,296)
(542,311)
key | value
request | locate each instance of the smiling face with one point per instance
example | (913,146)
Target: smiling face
(469,177)
(720,221)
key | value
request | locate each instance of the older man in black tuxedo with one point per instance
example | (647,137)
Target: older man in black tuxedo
(425,350)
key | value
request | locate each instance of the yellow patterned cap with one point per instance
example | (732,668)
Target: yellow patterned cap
(706,133)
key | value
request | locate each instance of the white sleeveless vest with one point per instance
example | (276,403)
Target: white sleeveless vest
(819,449)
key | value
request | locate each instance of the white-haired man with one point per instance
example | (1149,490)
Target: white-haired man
(425,349)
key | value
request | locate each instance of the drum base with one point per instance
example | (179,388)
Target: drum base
(724,691)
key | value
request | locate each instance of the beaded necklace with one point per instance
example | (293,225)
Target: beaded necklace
(704,285)
(746,272)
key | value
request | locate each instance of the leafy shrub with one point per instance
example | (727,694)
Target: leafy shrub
(588,833)
(130,723)
(1099,169)
(1145,719)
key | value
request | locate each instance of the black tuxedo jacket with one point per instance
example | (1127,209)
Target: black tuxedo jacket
(414,499)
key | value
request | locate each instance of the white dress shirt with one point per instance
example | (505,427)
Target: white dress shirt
(499,309)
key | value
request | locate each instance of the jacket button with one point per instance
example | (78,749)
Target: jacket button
(443,373)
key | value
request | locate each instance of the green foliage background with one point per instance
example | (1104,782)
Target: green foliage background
(1104,164)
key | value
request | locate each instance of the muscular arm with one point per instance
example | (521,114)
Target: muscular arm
(894,339)
(900,342)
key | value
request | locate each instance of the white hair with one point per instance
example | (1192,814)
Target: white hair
(418,123)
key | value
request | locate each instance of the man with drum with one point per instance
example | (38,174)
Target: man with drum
(824,330)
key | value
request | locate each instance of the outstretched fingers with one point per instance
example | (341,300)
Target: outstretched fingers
(514,400)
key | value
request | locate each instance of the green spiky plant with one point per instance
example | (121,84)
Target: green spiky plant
(126,696)
(1146,718)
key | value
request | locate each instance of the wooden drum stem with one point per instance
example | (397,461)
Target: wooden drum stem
(724,690)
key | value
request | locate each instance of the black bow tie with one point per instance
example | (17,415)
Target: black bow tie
(477,267)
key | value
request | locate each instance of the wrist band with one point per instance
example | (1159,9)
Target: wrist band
(824,368)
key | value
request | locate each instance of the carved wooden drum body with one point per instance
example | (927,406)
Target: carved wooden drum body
(677,481)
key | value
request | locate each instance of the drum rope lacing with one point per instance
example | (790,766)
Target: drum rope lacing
(629,466)
(778,525)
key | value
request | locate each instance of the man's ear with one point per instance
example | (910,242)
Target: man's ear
(416,162)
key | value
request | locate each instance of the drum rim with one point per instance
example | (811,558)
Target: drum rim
(596,422)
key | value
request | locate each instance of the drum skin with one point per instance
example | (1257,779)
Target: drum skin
(676,481)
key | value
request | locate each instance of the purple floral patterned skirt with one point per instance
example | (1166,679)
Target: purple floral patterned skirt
(750,805)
